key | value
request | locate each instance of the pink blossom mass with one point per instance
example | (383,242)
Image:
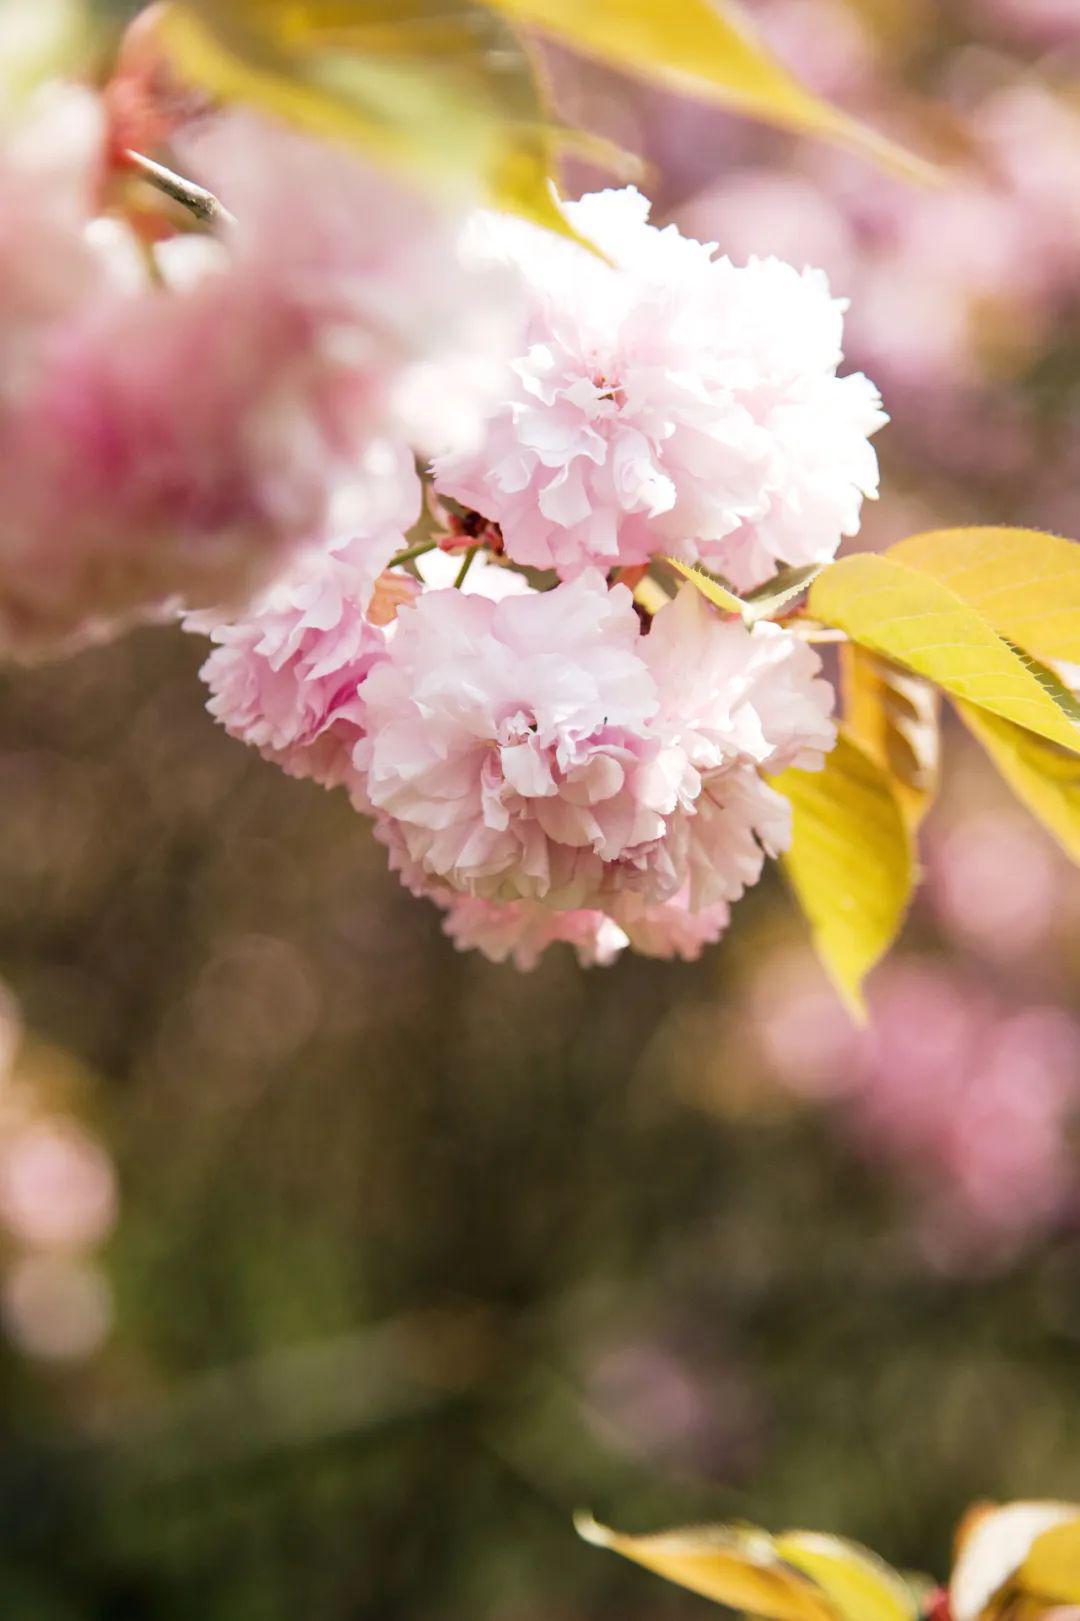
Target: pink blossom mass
(666,400)
(176,418)
(542,749)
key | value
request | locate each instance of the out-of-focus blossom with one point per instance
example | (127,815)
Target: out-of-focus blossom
(645,1398)
(56,1308)
(57,1187)
(996,883)
(765,211)
(968,1098)
(669,401)
(286,677)
(541,749)
(401,304)
(1035,22)
(49,176)
(164,444)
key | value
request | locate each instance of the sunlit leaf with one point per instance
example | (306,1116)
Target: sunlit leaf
(1025,582)
(441,88)
(767,600)
(735,1565)
(995,1542)
(861,1586)
(895,715)
(650,595)
(851,862)
(710,588)
(796,1576)
(706,47)
(1052,1568)
(909,616)
(1044,777)
(36,41)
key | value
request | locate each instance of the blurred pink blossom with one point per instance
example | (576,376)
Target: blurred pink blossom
(57,1187)
(969,1099)
(995,880)
(173,444)
(56,1308)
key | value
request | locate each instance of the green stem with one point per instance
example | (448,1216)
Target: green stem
(411,552)
(465,566)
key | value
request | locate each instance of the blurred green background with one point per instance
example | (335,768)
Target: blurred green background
(338,1269)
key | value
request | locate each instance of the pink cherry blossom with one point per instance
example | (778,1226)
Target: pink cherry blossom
(669,401)
(175,444)
(286,676)
(509,740)
(540,748)
(520,931)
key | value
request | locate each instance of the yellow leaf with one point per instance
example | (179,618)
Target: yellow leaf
(1024,582)
(1043,776)
(1051,1570)
(861,1586)
(707,47)
(735,1565)
(994,1544)
(851,863)
(35,42)
(896,717)
(905,614)
(440,88)
(710,588)
(766,601)
(650,595)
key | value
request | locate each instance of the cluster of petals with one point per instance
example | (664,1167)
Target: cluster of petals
(285,675)
(176,419)
(667,400)
(539,753)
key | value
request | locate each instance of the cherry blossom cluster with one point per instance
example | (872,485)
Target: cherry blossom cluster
(542,758)
(179,411)
(406,474)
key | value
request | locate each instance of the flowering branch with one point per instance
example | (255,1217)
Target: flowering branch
(196,199)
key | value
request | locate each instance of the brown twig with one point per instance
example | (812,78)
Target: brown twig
(196,199)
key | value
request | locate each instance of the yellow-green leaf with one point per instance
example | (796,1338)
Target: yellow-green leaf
(895,715)
(710,588)
(763,603)
(36,41)
(707,47)
(735,1565)
(851,863)
(1024,582)
(909,616)
(766,601)
(994,1546)
(861,1586)
(1043,776)
(441,88)
(1052,1568)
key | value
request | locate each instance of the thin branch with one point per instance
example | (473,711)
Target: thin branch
(412,552)
(196,199)
(466,566)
